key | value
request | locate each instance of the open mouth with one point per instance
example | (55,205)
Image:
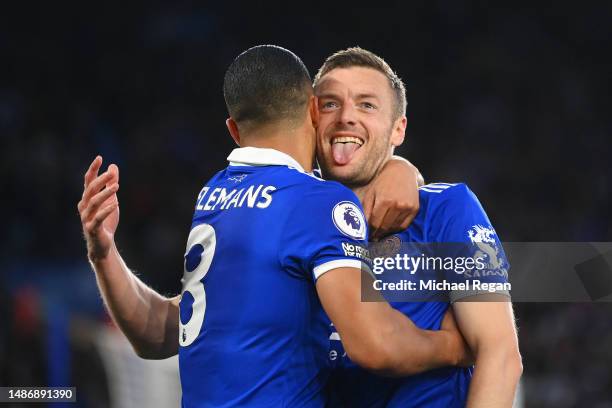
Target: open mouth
(344,147)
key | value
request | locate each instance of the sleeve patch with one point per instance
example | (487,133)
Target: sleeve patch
(349,220)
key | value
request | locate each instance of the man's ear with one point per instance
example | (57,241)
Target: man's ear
(313,108)
(232,126)
(399,131)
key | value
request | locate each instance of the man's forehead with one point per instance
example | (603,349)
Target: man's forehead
(357,80)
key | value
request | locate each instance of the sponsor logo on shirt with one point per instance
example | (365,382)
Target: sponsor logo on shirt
(355,250)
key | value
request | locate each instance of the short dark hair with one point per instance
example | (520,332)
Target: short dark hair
(358,57)
(266,84)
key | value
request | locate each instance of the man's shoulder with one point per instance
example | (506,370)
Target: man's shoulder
(443,188)
(446,193)
(445,202)
(295,186)
(313,186)
(280,176)
(295,177)
(453,204)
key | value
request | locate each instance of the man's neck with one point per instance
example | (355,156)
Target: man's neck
(296,142)
(359,192)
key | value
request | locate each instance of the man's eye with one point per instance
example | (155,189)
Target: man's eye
(329,105)
(368,105)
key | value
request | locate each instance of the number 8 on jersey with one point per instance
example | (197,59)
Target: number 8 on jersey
(198,257)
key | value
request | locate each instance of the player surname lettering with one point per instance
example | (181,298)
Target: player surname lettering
(222,199)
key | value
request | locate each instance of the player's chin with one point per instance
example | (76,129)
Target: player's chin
(346,173)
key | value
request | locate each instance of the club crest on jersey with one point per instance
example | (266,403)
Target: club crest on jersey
(480,233)
(387,248)
(487,248)
(349,220)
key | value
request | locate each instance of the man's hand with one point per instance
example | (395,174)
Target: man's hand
(127,298)
(99,209)
(391,200)
(458,347)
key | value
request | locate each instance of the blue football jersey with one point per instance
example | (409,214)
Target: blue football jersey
(252,330)
(449,213)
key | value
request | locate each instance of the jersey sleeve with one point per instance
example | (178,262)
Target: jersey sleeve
(328,231)
(461,224)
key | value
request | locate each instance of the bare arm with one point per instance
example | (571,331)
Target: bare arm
(378,337)
(489,329)
(420,180)
(149,320)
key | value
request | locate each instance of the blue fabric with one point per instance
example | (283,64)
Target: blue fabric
(264,337)
(449,213)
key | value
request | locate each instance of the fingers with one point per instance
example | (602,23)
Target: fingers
(93,225)
(111,176)
(99,191)
(401,217)
(404,221)
(114,171)
(93,188)
(396,217)
(377,218)
(92,172)
(368,203)
(96,201)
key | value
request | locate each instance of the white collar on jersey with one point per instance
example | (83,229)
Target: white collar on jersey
(257,156)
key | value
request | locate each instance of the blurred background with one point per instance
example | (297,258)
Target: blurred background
(513,100)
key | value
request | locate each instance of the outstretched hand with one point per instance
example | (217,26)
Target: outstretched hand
(99,209)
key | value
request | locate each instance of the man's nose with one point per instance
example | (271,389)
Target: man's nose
(347,114)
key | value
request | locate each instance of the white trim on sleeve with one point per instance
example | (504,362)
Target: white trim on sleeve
(337,263)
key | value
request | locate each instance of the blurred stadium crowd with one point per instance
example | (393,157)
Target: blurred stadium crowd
(514,101)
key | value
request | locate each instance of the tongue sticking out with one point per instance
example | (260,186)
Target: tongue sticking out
(343,152)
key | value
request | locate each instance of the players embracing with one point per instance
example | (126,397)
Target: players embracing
(266,256)
(362,107)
